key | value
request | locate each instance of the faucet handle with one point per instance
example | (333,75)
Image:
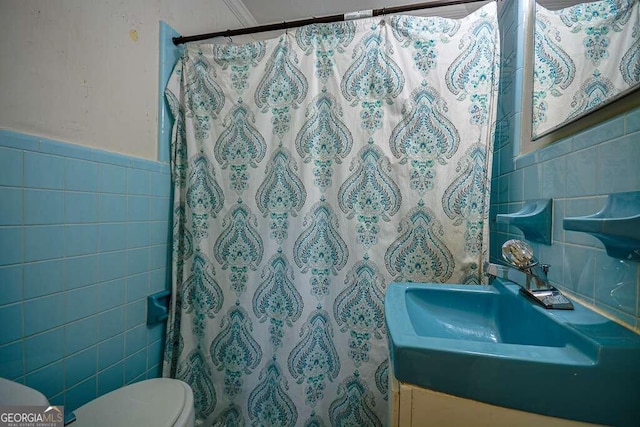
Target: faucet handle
(545,268)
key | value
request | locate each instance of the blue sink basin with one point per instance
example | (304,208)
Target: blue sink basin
(492,344)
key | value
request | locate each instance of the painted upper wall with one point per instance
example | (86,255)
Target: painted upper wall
(87,72)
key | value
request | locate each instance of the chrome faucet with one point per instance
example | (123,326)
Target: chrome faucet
(530,275)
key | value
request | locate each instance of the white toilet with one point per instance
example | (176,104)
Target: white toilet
(156,402)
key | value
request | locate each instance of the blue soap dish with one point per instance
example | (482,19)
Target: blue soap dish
(617,225)
(534,220)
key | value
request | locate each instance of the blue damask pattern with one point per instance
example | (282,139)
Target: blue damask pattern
(372,79)
(277,298)
(470,74)
(354,405)
(204,196)
(359,309)
(373,75)
(315,358)
(201,294)
(281,193)
(419,254)
(463,200)
(369,193)
(239,246)
(382,378)
(597,20)
(424,34)
(425,137)
(592,93)
(204,97)
(282,87)
(269,405)
(325,40)
(239,58)
(235,350)
(324,138)
(240,145)
(630,62)
(194,371)
(289,221)
(230,417)
(320,248)
(554,70)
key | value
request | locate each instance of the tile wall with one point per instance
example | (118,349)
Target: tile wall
(83,240)
(577,173)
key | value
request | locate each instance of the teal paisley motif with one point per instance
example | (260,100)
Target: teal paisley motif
(239,58)
(471,275)
(419,254)
(204,195)
(325,40)
(281,193)
(324,138)
(283,86)
(592,93)
(630,62)
(597,20)
(320,247)
(353,405)
(182,238)
(359,309)
(424,34)
(239,246)
(201,294)
(369,193)
(315,358)
(277,298)
(382,378)
(240,145)
(269,405)
(554,70)
(194,371)
(463,200)
(230,417)
(314,421)
(234,350)
(204,97)
(373,75)
(424,137)
(372,78)
(470,75)
(407,29)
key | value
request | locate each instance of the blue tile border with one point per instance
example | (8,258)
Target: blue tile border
(32,143)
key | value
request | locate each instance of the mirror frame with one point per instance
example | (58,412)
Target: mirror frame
(617,105)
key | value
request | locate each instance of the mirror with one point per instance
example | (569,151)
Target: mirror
(585,66)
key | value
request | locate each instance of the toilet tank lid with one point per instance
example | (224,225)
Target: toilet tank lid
(155,402)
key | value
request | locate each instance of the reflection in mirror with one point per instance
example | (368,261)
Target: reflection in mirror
(586,55)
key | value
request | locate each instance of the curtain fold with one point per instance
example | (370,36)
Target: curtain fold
(309,172)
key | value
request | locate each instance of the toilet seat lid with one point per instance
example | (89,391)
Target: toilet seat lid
(154,402)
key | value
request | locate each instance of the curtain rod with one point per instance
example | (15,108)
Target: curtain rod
(320,20)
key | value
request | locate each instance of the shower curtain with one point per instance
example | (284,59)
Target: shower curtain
(584,55)
(310,171)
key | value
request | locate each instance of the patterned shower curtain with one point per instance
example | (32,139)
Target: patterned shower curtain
(310,171)
(584,55)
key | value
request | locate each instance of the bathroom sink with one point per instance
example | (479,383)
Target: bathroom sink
(492,344)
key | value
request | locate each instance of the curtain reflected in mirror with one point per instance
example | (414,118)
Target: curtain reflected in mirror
(586,55)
